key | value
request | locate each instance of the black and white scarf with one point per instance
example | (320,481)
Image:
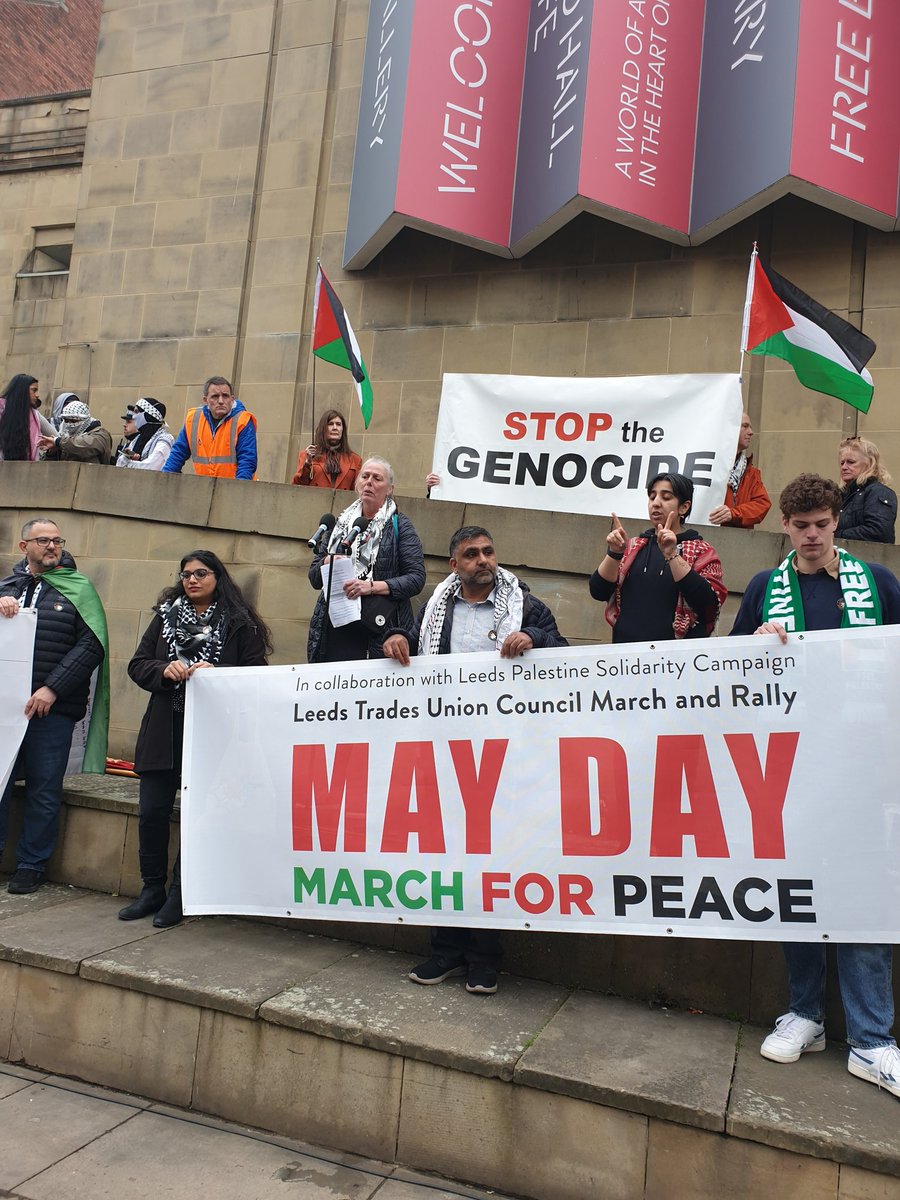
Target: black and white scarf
(365,548)
(191,637)
(737,472)
(509,604)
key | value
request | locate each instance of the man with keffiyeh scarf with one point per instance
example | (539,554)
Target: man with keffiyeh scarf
(70,644)
(478,607)
(819,586)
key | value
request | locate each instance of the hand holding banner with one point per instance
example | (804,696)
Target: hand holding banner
(16,654)
(687,789)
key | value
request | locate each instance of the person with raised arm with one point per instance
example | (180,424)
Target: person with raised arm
(667,583)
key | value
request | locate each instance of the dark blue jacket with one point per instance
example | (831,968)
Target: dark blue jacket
(820,595)
(868,513)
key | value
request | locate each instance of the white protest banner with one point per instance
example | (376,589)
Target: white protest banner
(584,445)
(724,788)
(16,654)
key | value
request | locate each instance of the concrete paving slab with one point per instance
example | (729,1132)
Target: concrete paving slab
(48,896)
(814,1106)
(42,1124)
(59,937)
(217,962)
(13,1079)
(661,1063)
(154,1155)
(94,1091)
(367,999)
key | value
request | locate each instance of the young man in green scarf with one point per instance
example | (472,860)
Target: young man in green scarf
(70,644)
(819,586)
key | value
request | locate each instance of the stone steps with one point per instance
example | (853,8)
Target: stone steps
(541,1090)
(548,1089)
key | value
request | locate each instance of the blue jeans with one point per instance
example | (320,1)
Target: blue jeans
(43,756)
(864,972)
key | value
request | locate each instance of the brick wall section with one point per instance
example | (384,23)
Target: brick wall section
(48,50)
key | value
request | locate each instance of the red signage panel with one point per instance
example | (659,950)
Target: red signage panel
(848,99)
(464,90)
(641,110)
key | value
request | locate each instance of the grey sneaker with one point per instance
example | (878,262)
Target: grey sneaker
(791,1037)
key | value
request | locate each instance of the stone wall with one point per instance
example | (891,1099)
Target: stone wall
(129,529)
(41,144)
(217,170)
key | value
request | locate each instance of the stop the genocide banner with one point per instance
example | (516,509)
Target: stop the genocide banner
(725,788)
(584,445)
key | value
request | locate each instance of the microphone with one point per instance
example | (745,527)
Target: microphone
(326,524)
(360,525)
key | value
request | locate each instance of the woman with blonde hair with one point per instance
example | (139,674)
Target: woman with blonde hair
(870,507)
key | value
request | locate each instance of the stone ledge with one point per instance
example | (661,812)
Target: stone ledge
(260,992)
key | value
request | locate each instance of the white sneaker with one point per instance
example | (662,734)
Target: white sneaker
(791,1037)
(880,1066)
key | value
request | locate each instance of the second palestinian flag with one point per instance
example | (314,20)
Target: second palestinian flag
(334,341)
(827,353)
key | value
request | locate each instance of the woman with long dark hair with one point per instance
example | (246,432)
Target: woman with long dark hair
(329,462)
(21,425)
(203,621)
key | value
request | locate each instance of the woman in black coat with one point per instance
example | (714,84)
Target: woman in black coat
(869,507)
(202,622)
(388,569)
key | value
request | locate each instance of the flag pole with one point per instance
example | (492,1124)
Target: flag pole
(748,300)
(312,343)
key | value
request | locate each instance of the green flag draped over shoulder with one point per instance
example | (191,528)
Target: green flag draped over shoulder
(79,590)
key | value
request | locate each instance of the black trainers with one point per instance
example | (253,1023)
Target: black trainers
(436,970)
(481,979)
(25,880)
(151,900)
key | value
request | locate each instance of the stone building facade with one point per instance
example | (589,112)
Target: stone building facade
(217,160)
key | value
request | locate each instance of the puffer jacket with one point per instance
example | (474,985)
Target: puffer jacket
(66,652)
(868,513)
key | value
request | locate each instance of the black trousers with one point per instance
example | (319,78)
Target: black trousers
(467,945)
(156,801)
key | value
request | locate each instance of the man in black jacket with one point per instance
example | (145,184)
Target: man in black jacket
(66,653)
(478,607)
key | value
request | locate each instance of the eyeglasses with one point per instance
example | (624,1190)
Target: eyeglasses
(45,541)
(200,573)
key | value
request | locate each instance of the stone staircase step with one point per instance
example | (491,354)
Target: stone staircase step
(540,1090)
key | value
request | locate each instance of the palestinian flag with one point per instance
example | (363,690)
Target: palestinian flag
(827,353)
(335,342)
(78,589)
